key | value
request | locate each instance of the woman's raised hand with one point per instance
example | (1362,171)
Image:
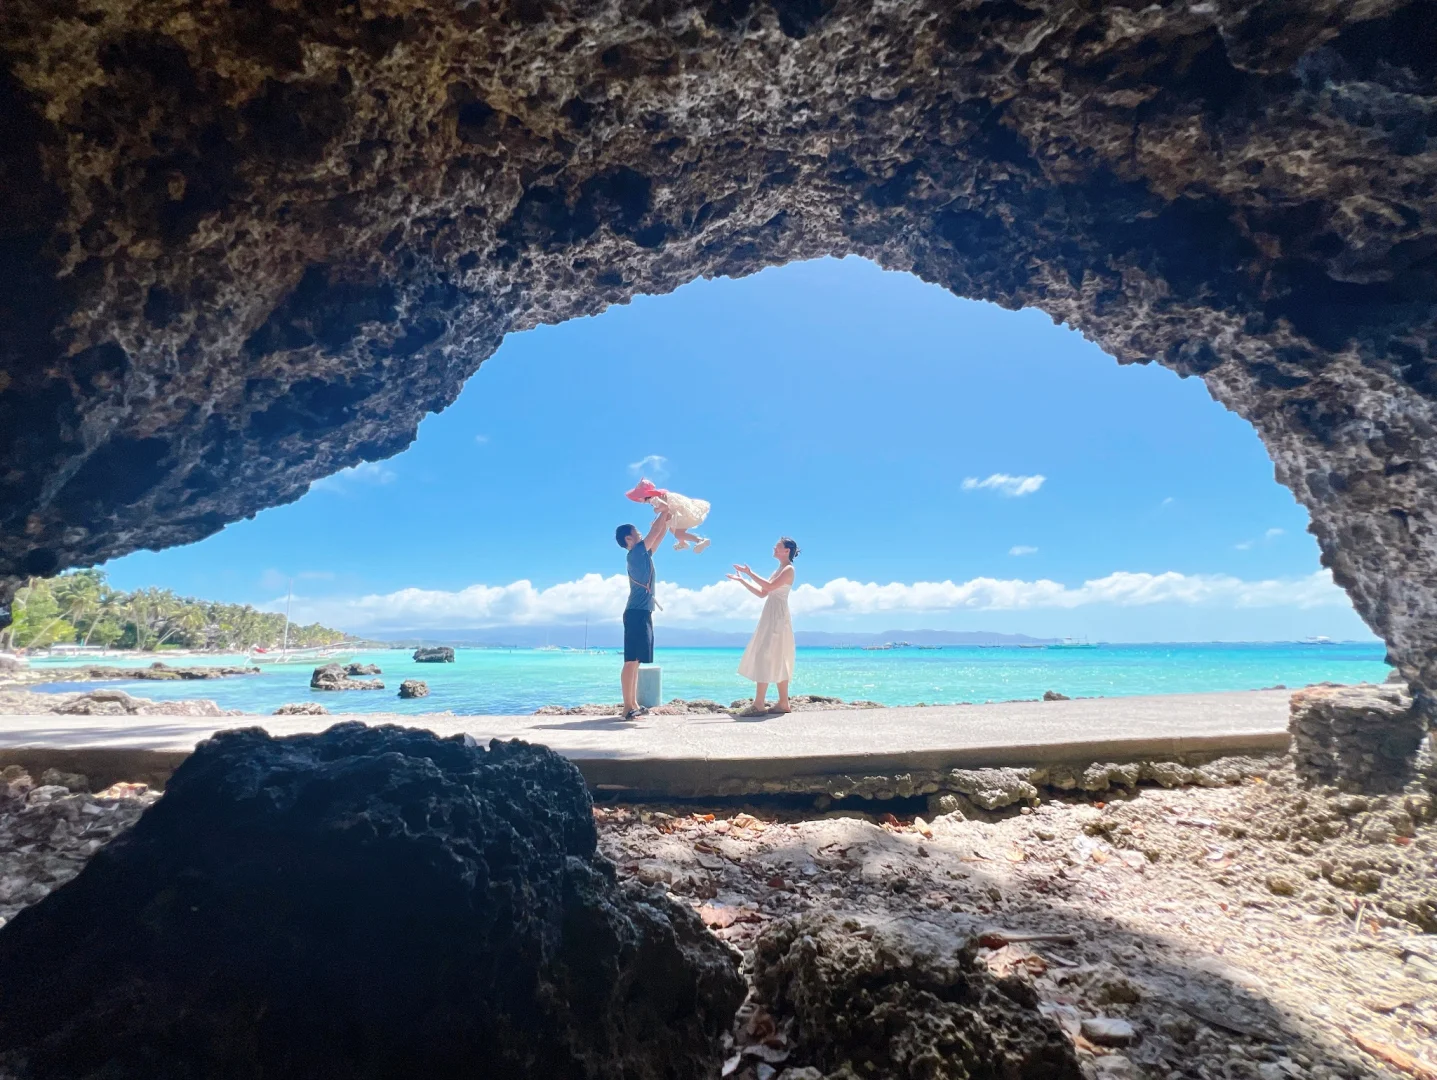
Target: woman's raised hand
(742,568)
(734,577)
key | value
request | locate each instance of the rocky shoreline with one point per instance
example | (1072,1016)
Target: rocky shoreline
(159,671)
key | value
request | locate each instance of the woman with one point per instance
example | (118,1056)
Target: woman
(770,653)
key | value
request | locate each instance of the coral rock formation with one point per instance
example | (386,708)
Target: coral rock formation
(413,688)
(436,654)
(372,902)
(245,245)
(1358,735)
(335,677)
(302,708)
(905,1000)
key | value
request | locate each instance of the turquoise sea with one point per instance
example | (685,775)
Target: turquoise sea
(500,681)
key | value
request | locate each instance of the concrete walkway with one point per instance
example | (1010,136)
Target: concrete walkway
(703,755)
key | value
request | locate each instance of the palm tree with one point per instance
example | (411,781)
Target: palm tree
(79,593)
(187,618)
(111,605)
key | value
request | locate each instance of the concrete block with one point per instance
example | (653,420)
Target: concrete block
(651,686)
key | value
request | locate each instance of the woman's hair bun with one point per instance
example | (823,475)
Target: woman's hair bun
(792,548)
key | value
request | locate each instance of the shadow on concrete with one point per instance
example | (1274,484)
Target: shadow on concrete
(597,723)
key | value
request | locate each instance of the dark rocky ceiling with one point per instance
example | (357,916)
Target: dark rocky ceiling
(244,244)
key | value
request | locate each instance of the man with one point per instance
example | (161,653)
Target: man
(639,613)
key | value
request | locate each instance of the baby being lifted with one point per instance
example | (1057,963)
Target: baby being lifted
(688,514)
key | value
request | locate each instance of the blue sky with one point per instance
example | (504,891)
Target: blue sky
(943,464)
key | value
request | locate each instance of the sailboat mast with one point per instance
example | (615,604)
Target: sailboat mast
(284,649)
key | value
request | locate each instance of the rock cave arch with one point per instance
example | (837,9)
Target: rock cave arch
(246,244)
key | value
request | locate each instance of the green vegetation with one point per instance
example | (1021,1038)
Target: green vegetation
(80,608)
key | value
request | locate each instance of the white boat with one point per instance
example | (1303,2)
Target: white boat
(329,653)
(1073,643)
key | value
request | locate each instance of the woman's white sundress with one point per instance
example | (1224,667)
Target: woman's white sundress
(770,653)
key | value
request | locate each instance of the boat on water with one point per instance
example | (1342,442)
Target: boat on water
(1073,643)
(328,653)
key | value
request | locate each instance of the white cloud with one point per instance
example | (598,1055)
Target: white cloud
(1022,549)
(654,466)
(1168,501)
(481,439)
(1266,538)
(601,598)
(366,473)
(1011,486)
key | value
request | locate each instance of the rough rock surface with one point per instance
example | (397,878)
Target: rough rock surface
(363,669)
(334,677)
(103,702)
(48,830)
(246,245)
(302,708)
(437,654)
(372,902)
(1362,735)
(413,688)
(162,672)
(903,1001)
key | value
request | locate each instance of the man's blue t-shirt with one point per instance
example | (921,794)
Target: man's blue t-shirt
(641,578)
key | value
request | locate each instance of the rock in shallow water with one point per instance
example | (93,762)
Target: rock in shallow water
(367,902)
(335,677)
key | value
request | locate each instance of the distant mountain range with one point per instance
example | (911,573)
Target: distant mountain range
(608,636)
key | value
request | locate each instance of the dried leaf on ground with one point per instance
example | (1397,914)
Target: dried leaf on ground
(717,916)
(1395,1056)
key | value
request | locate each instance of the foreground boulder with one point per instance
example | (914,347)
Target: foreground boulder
(366,902)
(335,677)
(902,1001)
(437,654)
(1362,737)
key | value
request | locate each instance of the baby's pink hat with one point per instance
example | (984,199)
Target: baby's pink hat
(644,490)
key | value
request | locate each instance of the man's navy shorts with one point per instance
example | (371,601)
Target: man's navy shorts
(638,636)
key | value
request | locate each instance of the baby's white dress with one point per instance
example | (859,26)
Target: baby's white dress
(770,653)
(687,513)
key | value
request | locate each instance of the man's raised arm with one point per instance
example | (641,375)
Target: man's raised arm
(657,530)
